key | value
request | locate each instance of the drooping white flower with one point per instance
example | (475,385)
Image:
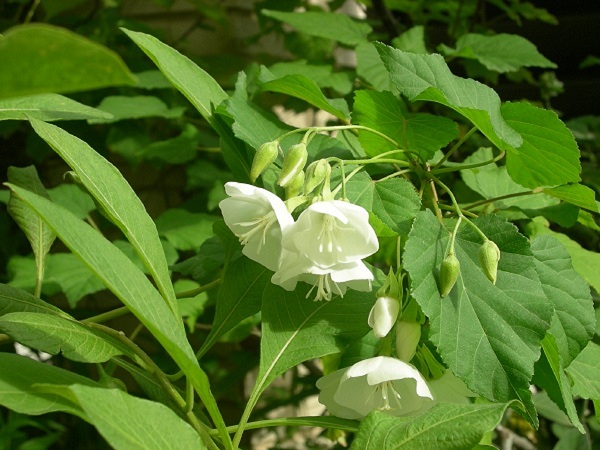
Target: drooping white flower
(332,232)
(383,315)
(257,217)
(328,281)
(381,383)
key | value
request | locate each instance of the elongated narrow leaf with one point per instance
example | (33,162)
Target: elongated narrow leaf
(13,299)
(427,77)
(448,426)
(121,107)
(304,88)
(106,184)
(240,296)
(488,334)
(393,201)
(39,235)
(292,321)
(550,376)
(53,334)
(139,423)
(132,287)
(30,65)
(573,321)
(201,90)
(19,374)
(48,107)
(548,155)
(421,133)
(338,27)
(500,52)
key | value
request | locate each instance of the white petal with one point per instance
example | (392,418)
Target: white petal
(383,315)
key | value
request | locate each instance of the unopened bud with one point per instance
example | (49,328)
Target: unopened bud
(489,255)
(295,186)
(293,163)
(383,315)
(264,157)
(408,335)
(316,173)
(448,274)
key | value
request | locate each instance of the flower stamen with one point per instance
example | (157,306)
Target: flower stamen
(260,225)
(327,239)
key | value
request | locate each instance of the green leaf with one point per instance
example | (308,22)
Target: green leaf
(577,194)
(13,299)
(550,375)
(152,79)
(584,261)
(338,27)
(585,372)
(489,335)
(132,287)
(240,296)
(121,107)
(548,156)
(500,52)
(447,425)
(72,63)
(422,133)
(491,181)
(573,322)
(201,90)
(39,235)
(411,40)
(304,88)
(292,321)
(118,200)
(178,150)
(139,424)
(47,107)
(252,124)
(394,201)
(371,69)
(427,77)
(322,74)
(185,230)
(73,198)
(53,334)
(75,279)
(18,377)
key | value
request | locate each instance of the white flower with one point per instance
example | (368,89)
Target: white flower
(332,232)
(328,281)
(257,217)
(380,383)
(383,315)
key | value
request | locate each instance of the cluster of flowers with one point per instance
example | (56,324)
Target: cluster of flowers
(324,247)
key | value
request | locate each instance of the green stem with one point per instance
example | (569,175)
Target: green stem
(5,339)
(162,379)
(340,424)
(470,166)
(39,278)
(393,175)
(31,11)
(455,147)
(502,197)
(123,310)
(476,228)
(451,208)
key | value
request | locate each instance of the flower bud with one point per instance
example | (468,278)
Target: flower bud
(264,157)
(383,315)
(489,255)
(295,186)
(316,173)
(293,163)
(448,274)
(408,335)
